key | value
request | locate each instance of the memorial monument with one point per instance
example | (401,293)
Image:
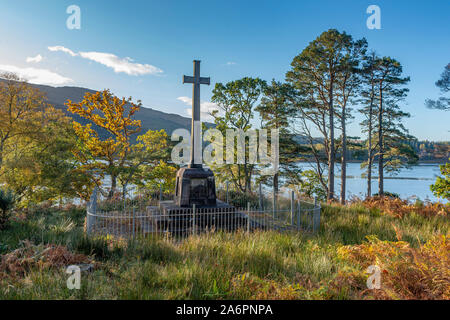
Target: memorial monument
(195,185)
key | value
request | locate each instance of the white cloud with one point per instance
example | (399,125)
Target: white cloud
(63,49)
(185,100)
(35,75)
(231,63)
(205,108)
(36,59)
(125,65)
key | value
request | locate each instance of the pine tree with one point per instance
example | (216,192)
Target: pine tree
(443,103)
(319,74)
(277,109)
(385,89)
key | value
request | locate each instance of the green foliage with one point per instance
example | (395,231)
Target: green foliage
(47,169)
(7,201)
(441,188)
(310,185)
(277,109)
(389,194)
(241,200)
(325,74)
(147,164)
(36,143)
(236,101)
(442,103)
(388,139)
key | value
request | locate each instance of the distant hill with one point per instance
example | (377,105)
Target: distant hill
(150,118)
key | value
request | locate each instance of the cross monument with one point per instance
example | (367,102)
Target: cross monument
(196,140)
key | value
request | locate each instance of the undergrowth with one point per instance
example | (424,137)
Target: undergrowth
(409,243)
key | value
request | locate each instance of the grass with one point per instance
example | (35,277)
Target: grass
(262,265)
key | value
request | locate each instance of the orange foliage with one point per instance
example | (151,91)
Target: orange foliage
(262,289)
(20,261)
(399,208)
(108,112)
(406,273)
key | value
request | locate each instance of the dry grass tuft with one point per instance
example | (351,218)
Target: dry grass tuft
(255,288)
(20,261)
(399,208)
(406,273)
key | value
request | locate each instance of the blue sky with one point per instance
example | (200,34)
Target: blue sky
(232,38)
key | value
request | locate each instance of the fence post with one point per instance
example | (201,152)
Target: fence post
(274,201)
(299,214)
(248,217)
(227,191)
(292,207)
(261,200)
(91,211)
(316,216)
(160,192)
(193,219)
(134,221)
(124,195)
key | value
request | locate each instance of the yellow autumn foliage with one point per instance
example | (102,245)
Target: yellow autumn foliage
(406,272)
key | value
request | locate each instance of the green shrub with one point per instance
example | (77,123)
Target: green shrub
(389,194)
(241,199)
(97,247)
(7,201)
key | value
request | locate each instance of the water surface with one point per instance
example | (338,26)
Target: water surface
(408,183)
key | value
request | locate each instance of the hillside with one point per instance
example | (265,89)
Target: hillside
(150,118)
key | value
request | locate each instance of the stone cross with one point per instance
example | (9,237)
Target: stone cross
(196,141)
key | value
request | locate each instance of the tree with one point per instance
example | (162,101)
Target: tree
(21,107)
(443,103)
(348,80)
(35,145)
(236,101)
(43,167)
(162,175)
(311,187)
(110,113)
(369,100)
(441,188)
(389,129)
(147,162)
(316,73)
(277,108)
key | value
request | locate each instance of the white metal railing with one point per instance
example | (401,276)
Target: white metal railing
(138,219)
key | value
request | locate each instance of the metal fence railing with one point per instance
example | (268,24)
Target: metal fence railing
(141,216)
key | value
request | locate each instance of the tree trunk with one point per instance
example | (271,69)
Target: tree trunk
(246,179)
(369,176)
(124,190)
(331,154)
(369,153)
(275,182)
(113,187)
(1,154)
(344,159)
(381,146)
